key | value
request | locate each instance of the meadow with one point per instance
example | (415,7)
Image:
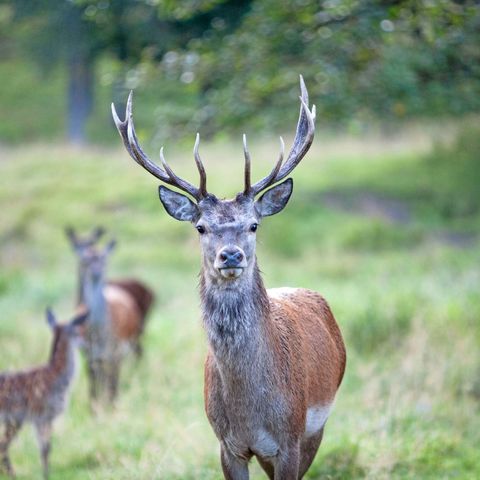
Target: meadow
(387,228)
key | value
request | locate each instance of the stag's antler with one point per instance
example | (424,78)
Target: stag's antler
(302,142)
(126,129)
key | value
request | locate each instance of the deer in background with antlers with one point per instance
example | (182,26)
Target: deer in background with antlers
(118,312)
(276,357)
(39,395)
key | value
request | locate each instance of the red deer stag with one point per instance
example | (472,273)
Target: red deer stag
(276,357)
(118,311)
(39,395)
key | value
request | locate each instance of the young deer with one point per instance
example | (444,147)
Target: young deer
(276,357)
(118,310)
(39,395)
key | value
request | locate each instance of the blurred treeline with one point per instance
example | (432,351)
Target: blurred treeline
(225,65)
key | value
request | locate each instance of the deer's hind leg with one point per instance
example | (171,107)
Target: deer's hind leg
(11,429)
(138,349)
(309,449)
(44,435)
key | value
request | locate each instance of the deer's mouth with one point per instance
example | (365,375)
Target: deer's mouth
(231,273)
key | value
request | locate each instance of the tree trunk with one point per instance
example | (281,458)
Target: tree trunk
(80,95)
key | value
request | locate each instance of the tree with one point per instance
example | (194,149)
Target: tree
(360,58)
(78,32)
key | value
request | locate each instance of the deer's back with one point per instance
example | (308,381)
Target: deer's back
(31,394)
(126,317)
(141,294)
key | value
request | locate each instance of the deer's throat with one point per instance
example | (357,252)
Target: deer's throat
(94,297)
(234,317)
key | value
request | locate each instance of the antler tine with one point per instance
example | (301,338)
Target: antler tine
(301,143)
(200,167)
(246,154)
(122,126)
(176,181)
(126,129)
(165,165)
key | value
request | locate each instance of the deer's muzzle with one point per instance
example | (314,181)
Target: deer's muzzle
(230,262)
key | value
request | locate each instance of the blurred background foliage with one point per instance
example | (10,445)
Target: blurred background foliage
(222,66)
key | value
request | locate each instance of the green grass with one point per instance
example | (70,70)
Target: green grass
(390,236)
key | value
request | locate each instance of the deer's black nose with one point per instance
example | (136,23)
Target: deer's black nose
(231,257)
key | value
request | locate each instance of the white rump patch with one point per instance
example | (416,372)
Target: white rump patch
(316,418)
(281,292)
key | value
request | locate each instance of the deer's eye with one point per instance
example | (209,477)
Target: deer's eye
(253,227)
(200,229)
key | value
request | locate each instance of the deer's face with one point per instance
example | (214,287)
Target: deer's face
(93,265)
(227,228)
(227,231)
(92,259)
(93,262)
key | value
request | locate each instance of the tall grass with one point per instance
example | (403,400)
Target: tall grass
(403,288)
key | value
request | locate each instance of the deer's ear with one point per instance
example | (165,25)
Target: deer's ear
(80,319)
(275,199)
(110,247)
(72,237)
(96,234)
(52,322)
(177,205)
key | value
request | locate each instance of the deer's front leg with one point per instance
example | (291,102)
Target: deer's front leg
(44,434)
(234,468)
(287,464)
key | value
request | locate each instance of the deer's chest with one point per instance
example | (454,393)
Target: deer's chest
(245,414)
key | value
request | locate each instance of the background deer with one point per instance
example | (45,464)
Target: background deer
(276,357)
(39,395)
(118,312)
(143,296)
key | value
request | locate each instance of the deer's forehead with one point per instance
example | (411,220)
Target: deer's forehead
(227,212)
(91,255)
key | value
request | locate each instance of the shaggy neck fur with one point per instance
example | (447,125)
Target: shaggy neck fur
(98,332)
(94,298)
(234,315)
(81,286)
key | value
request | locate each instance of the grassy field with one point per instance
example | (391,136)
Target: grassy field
(387,229)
